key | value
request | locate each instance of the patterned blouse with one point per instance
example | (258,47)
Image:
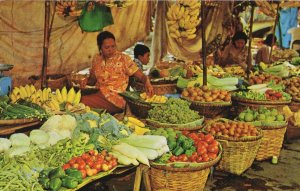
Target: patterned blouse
(112,76)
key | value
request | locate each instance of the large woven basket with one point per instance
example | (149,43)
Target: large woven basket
(271,142)
(294,106)
(57,81)
(212,109)
(172,179)
(241,104)
(158,89)
(194,125)
(238,153)
(139,109)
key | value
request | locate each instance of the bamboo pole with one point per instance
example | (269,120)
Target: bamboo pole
(249,60)
(45,45)
(203,43)
(274,29)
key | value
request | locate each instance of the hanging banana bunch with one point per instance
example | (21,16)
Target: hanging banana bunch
(67,8)
(266,8)
(183,19)
(119,3)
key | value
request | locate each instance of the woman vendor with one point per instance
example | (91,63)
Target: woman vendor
(263,54)
(110,73)
(236,52)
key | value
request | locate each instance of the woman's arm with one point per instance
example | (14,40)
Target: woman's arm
(143,78)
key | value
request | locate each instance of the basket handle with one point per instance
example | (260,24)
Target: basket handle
(225,143)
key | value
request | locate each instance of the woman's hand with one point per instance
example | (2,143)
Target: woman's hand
(149,88)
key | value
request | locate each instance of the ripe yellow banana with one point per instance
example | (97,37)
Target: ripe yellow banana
(181,23)
(136,121)
(194,12)
(59,96)
(170,23)
(71,95)
(173,35)
(23,92)
(28,90)
(32,89)
(192,36)
(64,93)
(191,31)
(77,97)
(13,97)
(196,6)
(181,12)
(45,95)
(16,91)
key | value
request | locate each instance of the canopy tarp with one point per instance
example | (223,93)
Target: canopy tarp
(70,49)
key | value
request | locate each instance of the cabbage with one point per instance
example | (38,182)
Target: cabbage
(52,123)
(39,137)
(19,139)
(4,144)
(17,151)
(54,137)
(68,122)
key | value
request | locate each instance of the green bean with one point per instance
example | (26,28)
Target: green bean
(9,183)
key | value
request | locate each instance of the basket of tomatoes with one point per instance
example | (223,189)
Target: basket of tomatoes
(240,142)
(188,164)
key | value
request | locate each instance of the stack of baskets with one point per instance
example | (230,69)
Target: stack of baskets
(271,142)
(165,177)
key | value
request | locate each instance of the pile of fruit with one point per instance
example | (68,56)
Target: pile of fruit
(269,94)
(204,94)
(136,125)
(262,114)
(231,129)
(183,19)
(174,111)
(264,78)
(293,87)
(154,98)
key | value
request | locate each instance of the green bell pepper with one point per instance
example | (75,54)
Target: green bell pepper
(172,145)
(45,173)
(74,173)
(187,143)
(178,151)
(57,173)
(45,182)
(69,182)
(55,184)
(188,153)
(181,138)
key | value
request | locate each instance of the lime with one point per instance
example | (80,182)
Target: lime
(249,117)
(242,116)
(169,129)
(270,118)
(280,118)
(274,112)
(261,117)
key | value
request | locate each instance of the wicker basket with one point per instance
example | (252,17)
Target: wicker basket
(189,179)
(238,153)
(242,104)
(294,106)
(211,110)
(57,81)
(139,109)
(158,89)
(195,125)
(271,142)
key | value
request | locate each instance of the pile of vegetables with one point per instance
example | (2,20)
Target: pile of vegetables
(174,111)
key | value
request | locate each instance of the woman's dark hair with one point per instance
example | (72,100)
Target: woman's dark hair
(269,39)
(102,36)
(239,35)
(140,50)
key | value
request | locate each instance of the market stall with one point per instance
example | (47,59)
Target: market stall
(202,118)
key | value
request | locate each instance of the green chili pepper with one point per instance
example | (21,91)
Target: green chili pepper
(187,143)
(55,184)
(69,182)
(188,153)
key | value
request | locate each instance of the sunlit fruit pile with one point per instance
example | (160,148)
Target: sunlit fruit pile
(204,94)
(293,87)
(264,78)
(262,114)
(273,95)
(92,162)
(154,98)
(232,129)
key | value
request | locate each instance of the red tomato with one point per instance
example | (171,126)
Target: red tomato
(214,142)
(183,158)
(72,161)
(213,149)
(185,133)
(105,167)
(201,150)
(172,158)
(199,159)
(193,158)
(201,136)
(114,162)
(81,165)
(89,172)
(79,160)
(97,165)
(90,163)
(83,173)
(75,165)
(205,159)
(66,166)
(202,143)
(212,155)
(108,158)
(208,138)
(85,156)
